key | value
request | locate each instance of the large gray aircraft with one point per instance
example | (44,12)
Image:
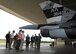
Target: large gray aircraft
(61,21)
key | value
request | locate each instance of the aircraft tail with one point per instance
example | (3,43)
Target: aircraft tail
(56,13)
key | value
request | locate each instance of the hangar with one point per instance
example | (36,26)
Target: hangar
(30,10)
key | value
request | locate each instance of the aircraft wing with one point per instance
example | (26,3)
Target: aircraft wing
(39,26)
(29,27)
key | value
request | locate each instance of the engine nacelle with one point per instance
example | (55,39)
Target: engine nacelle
(54,33)
(59,33)
(45,33)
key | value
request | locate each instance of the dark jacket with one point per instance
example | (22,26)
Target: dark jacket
(8,36)
(27,39)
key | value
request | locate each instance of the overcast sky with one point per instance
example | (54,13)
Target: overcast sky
(9,22)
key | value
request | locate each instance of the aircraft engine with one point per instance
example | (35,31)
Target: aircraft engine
(54,33)
(45,33)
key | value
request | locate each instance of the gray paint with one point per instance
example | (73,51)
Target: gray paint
(29,27)
(67,14)
(58,33)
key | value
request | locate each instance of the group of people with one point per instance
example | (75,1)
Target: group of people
(35,40)
(17,41)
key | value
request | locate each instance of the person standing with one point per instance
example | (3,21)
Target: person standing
(8,45)
(32,40)
(38,41)
(22,42)
(27,41)
(12,37)
(35,40)
(15,41)
(19,39)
